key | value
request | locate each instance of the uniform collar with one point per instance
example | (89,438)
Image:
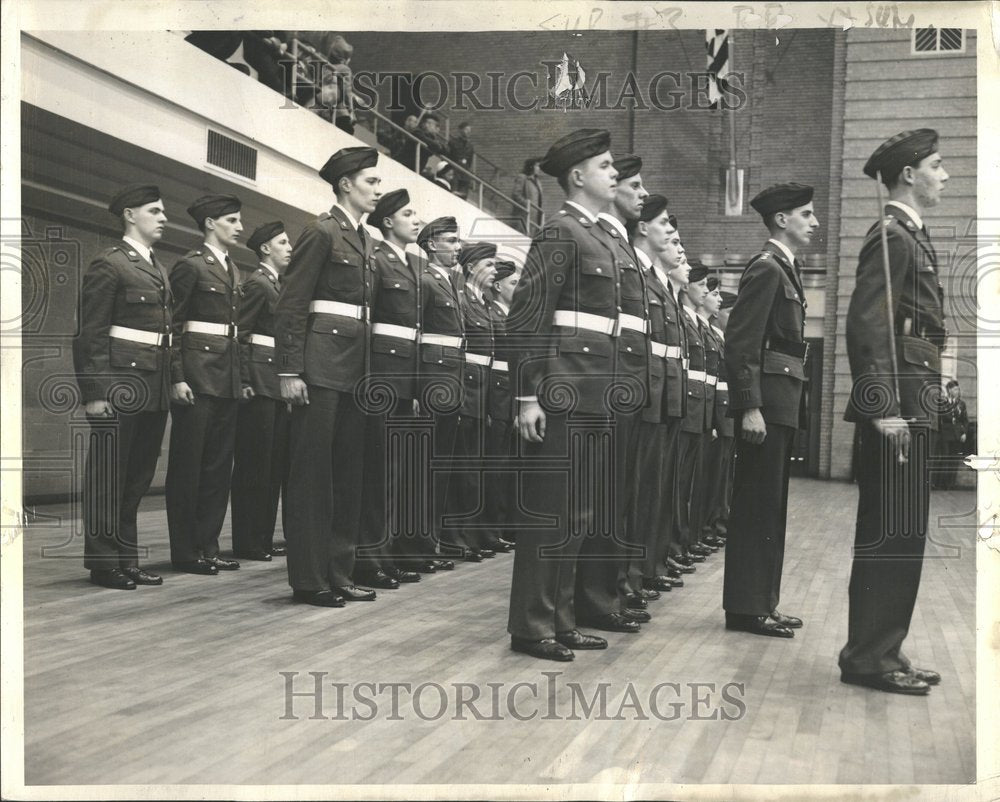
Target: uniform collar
(474,292)
(270,270)
(222,256)
(644,257)
(690,313)
(610,218)
(503,307)
(350,217)
(396,249)
(917,221)
(582,211)
(441,271)
(142,250)
(784,250)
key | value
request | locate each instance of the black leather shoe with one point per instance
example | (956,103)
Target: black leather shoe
(545,649)
(428,567)
(636,602)
(472,556)
(354,593)
(676,573)
(890,682)
(639,616)
(112,578)
(503,545)
(444,565)
(254,556)
(649,595)
(203,567)
(278,551)
(926,675)
(683,563)
(757,625)
(613,622)
(140,577)
(574,639)
(317,598)
(697,556)
(223,565)
(708,546)
(380,579)
(675,581)
(714,540)
(402,576)
(487,553)
(789,621)
(660,583)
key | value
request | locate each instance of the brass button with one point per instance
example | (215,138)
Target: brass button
(586,350)
(142,297)
(786,370)
(392,350)
(133,364)
(334,331)
(206,348)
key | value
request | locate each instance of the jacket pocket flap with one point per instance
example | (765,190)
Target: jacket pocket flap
(209,343)
(783,364)
(920,353)
(385,345)
(133,355)
(136,296)
(581,343)
(211,286)
(336,325)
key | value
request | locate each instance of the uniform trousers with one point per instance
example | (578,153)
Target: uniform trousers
(121,461)
(260,468)
(688,459)
(501,484)
(569,496)
(199,471)
(719,483)
(755,547)
(326,464)
(468,527)
(889,539)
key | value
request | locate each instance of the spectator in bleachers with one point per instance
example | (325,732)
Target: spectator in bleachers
(528,192)
(254,53)
(461,151)
(430,134)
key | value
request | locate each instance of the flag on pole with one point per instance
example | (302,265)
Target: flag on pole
(717,47)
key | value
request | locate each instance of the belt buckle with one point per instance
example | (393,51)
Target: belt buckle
(169,337)
(805,352)
(232,331)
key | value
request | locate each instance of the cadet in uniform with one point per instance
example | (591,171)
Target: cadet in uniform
(719,480)
(392,390)
(122,362)
(320,327)
(210,376)
(260,461)
(440,383)
(894,422)
(765,356)
(564,318)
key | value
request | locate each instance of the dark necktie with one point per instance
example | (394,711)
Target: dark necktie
(363,237)
(159,268)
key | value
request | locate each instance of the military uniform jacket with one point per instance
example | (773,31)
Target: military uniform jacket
(500,404)
(713,356)
(657,299)
(260,297)
(330,262)
(479,339)
(120,288)
(721,420)
(206,291)
(919,324)
(569,267)
(394,359)
(696,418)
(675,335)
(767,321)
(441,366)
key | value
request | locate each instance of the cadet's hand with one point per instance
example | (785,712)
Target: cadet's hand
(531,421)
(181,393)
(898,433)
(961,439)
(715,434)
(247,393)
(754,430)
(293,390)
(98,409)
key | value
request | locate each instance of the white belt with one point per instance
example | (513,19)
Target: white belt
(139,336)
(711,379)
(696,375)
(477,359)
(446,340)
(685,362)
(220,329)
(392,330)
(262,339)
(723,386)
(666,351)
(500,365)
(337,308)
(584,320)
(632,323)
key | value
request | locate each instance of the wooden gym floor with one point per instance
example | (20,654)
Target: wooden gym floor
(183,683)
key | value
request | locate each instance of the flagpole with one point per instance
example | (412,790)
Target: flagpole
(732,124)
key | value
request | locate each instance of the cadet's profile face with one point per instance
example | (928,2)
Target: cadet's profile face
(481,273)
(446,247)
(929,178)
(280,250)
(629,196)
(149,220)
(406,224)
(505,287)
(597,177)
(954,392)
(696,291)
(672,257)
(227,228)
(655,232)
(364,189)
(712,301)
(801,224)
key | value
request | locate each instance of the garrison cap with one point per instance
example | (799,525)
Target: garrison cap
(728,300)
(264,233)
(652,207)
(388,205)
(347,160)
(505,268)
(628,167)
(441,225)
(213,206)
(697,273)
(472,252)
(781,198)
(712,283)
(132,197)
(574,148)
(902,150)
(672,219)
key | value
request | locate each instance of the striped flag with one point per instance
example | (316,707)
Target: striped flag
(717,46)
